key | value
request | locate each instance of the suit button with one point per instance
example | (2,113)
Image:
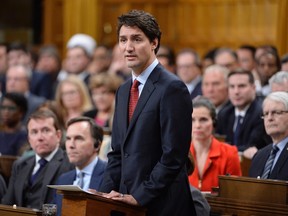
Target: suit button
(126,155)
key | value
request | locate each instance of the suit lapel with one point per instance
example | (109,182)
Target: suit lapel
(149,87)
(96,175)
(25,177)
(51,169)
(281,161)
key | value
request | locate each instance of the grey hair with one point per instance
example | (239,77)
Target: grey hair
(279,96)
(219,68)
(279,77)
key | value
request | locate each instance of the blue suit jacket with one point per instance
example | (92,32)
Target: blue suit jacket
(252,132)
(280,170)
(197,90)
(69,177)
(149,154)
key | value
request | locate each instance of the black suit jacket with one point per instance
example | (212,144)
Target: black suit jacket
(252,131)
(149,154)
(21,172)
(41,85)
(280,170)
(197,90)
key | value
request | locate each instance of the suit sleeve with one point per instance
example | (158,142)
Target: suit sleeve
(175,124)
(112,175)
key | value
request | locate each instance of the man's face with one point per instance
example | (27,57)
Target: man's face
(187,68)
(225,59)
(246,59)
(16,80)
(241,91)
(76,60)
(214,87)
(284,66)
(80,144)
(266,67)
(138,51)
(276,125)
(43,136)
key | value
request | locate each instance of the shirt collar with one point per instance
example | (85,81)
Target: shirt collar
(88,170)
(49,157)
(241,112)
(142,78)
(281,145)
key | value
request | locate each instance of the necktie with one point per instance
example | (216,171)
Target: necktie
(269,163)
(237,130)
(134,94)
(81,179)
(42,162)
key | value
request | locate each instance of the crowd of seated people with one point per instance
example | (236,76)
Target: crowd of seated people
(233,83)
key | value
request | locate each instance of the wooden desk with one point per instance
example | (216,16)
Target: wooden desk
(7,210)
(84,204)
(249,196)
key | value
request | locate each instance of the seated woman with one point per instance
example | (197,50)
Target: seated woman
(72,98)
(13,135)
(103,89)
(212,157)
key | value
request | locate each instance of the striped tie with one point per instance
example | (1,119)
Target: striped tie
(81,179)
(269,163)
(134,94)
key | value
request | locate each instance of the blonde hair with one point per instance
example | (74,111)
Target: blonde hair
(83,91)
(110,81)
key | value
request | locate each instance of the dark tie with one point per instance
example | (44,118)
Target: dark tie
(134,94)
(239,119)
(269,163)
(80,179)
(42,162)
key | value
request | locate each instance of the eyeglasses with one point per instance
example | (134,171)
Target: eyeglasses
(8,108)
(274,113)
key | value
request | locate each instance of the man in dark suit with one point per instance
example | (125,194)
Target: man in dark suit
(150,145)
(188,69)
(270,163)
(31,175)
(83,141)
(18,79)
(250,134)
(41,83)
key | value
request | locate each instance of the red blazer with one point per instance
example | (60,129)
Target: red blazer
(222,159)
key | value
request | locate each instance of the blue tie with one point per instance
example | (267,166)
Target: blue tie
(269,163)
(239,119)
(81,179)
(42,162)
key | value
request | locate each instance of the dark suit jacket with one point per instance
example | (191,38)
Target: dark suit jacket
(41,85)
(69,177)
(280,170)
(149,154)
(252,132)
(21,172)
(197,90)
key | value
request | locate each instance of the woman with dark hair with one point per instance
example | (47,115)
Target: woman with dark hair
(13,108)
(212,157)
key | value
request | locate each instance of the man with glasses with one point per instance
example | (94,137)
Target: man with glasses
(271,162)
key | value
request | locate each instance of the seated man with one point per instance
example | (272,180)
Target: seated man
(31,175)
(83,141)
(271,162)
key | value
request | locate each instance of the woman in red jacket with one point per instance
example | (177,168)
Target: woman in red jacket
(212,157)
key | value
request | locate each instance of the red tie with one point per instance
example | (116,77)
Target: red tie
(134,94)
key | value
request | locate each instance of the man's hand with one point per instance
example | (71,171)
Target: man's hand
(126,198)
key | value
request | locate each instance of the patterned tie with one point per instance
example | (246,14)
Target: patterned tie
(237,130)
(134,94)
(42,162)
(81,179)
(269,163)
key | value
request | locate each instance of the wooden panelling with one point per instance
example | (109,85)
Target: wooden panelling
(199,24)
